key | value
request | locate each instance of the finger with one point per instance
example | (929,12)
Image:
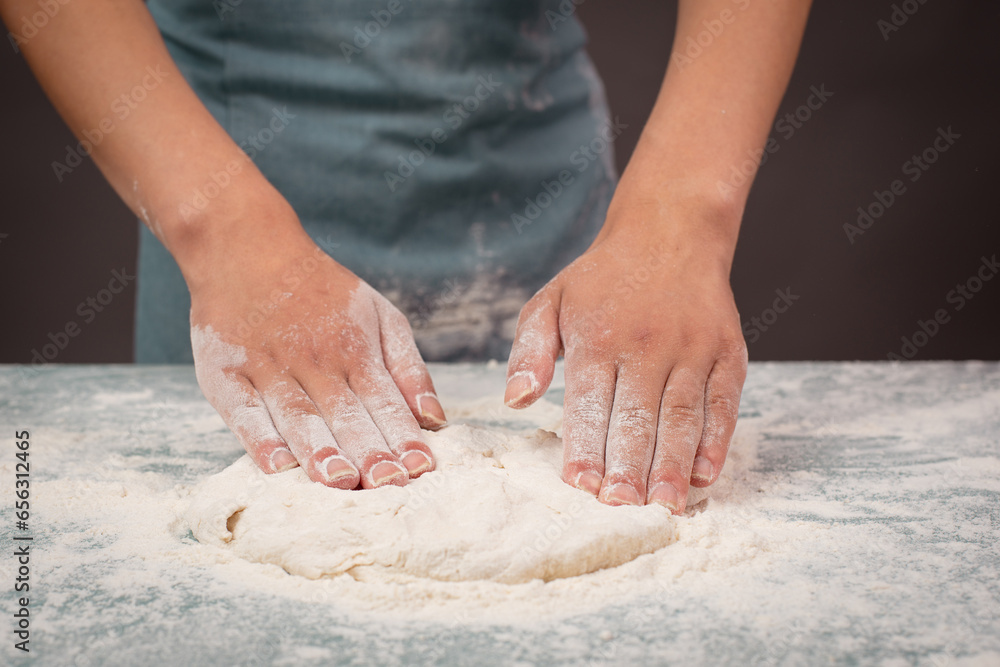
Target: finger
(355,432)
(246,415)
(590,392)
(536,347)
(217,369)
(382,399)
(722,406)
(679,428)
(308,437)
(406,366)
(631,436)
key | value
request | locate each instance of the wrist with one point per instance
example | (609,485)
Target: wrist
(682,217)
(246,231)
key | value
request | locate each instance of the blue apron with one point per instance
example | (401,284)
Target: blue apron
(454,154)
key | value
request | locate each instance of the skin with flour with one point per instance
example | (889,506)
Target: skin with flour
(655,359)
(357,359)
(652,386)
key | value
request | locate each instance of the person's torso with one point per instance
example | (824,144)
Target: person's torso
(444,151)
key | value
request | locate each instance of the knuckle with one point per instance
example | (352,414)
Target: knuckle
(735,351)
(625,471)
(682,416)
(390,412)
(243,406)
(366,372)
(668,470)
(580,460)
(350,417)
(587,414)
(585,342)
(673,457)
(633,418)
(408,368)
(397,321)
(724,406)
(642,336)
(535,303)
(297,412)
(315,359)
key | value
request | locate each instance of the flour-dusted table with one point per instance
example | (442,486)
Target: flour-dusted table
(878,485)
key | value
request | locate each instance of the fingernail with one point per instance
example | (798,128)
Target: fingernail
(519,386)
(665,494)
(337,467)
(703,470)
(283,460)
(430,408)
(388,472)
(416,462)
(620,494)
(589,481)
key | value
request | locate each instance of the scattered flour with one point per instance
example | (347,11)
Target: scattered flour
(493,534)
(494,509)
(855,520)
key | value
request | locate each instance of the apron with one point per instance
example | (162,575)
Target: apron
(453,154)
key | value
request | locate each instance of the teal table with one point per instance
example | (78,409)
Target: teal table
(868,526)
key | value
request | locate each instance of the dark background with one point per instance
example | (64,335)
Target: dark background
(60,242)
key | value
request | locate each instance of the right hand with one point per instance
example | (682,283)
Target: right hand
(308,365)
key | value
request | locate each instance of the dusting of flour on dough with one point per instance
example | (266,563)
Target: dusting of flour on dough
(495,509)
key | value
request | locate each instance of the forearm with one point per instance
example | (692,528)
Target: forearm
(714,112)
(108,73)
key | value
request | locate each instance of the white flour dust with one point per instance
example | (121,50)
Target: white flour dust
(494,534)
(854,521)
(495,509)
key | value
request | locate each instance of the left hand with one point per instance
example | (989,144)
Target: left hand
(655,363)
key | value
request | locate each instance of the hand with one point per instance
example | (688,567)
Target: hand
(310,366)
(655,363)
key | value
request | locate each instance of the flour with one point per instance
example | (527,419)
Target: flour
(495,509)
(276,405)
(854,522)
(492,533)
(220,368)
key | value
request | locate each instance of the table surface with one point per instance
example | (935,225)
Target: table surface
(877,486)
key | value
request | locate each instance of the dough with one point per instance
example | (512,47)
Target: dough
(495,509)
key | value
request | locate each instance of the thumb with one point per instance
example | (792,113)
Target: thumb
(537,345)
